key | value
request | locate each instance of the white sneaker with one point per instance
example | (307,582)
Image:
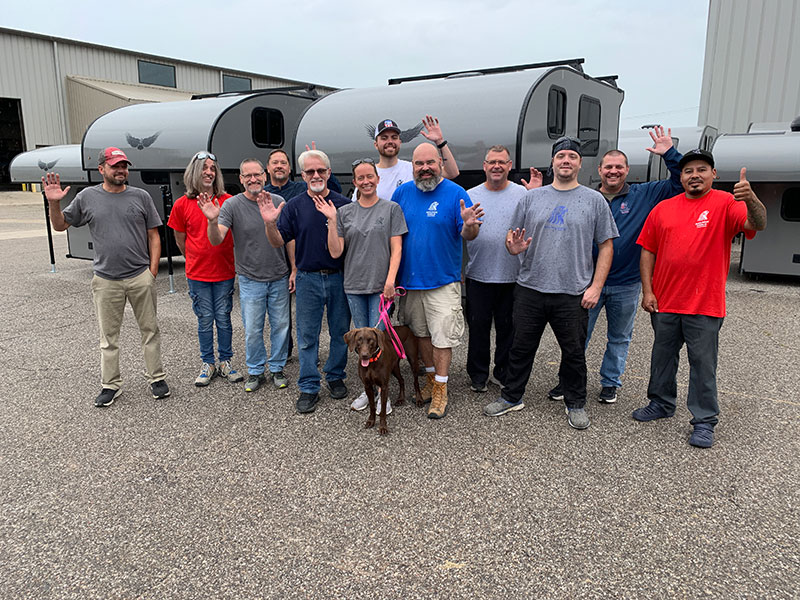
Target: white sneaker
(360,403)
(388,406)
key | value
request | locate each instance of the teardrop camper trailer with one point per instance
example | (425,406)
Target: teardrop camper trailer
(773,170)
(525,108)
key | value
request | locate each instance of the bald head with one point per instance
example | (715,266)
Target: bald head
(427,167)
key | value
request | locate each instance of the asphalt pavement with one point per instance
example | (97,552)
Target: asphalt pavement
(214,493)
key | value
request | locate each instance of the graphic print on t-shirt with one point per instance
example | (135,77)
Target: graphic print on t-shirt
(702,220)
(556,219)
(433,209)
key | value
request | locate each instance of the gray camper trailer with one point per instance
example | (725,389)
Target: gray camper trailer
(646,166)
(523,108)
(773,169)
(30,167)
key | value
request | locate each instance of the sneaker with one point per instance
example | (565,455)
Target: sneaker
(226,370)
(338,389)
(106,397)
(427,391)
(254,382)
(279,379)
(651,412)
(608,395)
(360,403)
(557,393)
(577,418)
(160,389)
(702,436)
(378,405)
(307,402)
(438,408)
(501,406)
(479,387)
(207,373)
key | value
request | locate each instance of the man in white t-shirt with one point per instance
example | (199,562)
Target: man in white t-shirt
(394,172)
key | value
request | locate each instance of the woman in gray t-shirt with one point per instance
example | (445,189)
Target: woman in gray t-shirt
(371,231)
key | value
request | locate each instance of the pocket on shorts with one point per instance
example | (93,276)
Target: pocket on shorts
(454,324)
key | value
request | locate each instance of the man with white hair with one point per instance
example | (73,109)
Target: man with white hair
(319,284)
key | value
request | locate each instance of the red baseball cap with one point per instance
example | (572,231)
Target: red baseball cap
(112,156)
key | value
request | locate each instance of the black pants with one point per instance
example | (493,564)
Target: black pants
(700,333)
(568,319)
(487,302)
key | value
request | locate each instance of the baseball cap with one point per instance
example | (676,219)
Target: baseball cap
(112,156)
(388,124)
(696,154)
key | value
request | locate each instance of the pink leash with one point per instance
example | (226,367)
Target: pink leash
(383,309)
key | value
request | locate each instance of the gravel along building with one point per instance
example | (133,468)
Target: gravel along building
(52,89)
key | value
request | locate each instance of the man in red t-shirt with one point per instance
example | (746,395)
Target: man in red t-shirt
(686,252)
(210,269)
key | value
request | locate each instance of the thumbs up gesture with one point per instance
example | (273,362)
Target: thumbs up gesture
(742,190)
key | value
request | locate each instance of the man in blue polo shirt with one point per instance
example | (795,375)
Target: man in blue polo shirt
(319,282)
(438,213)
(630,205)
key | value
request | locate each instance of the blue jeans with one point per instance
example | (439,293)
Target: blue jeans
(621,303)
(364,308)
(257,299)
(212,302)
(316,291)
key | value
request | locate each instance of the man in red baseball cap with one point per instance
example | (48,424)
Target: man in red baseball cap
(124,226)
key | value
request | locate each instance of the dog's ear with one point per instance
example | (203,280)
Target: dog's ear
(380,338)
(350,339)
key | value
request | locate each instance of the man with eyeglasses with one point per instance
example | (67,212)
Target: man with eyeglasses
(393,171)
(439,214)
(558,281)
(263,273)
(127,248)
(319,284)
(630,205)
(489,274)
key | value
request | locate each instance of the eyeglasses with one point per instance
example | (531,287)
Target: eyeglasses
(247,176)
(311,172)
(495,163)
(361,161)
(205,155)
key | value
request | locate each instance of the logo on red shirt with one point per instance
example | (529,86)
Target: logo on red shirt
(702,220)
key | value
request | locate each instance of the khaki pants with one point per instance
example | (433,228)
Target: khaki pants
(109,302)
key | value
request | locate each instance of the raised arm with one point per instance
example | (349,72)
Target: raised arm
(433,132)
(51,184)
(210,208)
(605,255)
(756,213)
(327,208)
(270,213)
(471,216)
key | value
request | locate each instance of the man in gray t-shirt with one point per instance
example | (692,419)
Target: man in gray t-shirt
(490,272)
(263,273)
(554,228)
(124,225)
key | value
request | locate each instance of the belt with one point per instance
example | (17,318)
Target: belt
(325,271)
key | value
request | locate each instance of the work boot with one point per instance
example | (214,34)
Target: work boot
(438,406)
(427,391)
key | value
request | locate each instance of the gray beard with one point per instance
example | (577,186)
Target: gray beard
(427,185)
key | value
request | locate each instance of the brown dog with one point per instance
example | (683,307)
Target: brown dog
(377,360)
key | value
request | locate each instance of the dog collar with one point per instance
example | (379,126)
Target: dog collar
(377,356)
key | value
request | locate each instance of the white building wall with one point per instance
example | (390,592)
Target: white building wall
(752,64)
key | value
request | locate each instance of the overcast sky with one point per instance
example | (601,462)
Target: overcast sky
(657,49)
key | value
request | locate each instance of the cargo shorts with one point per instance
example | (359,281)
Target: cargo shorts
(435,313)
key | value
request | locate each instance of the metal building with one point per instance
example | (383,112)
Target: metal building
(752,64)
(52,88)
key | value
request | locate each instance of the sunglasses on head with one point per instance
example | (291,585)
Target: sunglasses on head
(205,155)
(360,161)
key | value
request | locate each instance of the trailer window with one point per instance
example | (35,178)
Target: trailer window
(790,204)
(267,126)
(232,83)
(589,125)
(556,112)
(156,74)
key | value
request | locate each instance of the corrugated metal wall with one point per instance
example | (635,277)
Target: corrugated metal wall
(34,68)
(752,64)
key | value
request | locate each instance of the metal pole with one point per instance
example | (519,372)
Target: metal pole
(49,234)
(166,197)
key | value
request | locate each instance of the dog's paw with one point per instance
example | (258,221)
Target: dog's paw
(369,424)
(383,430)
(400,401)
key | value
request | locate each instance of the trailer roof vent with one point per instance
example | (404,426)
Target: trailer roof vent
(795,126)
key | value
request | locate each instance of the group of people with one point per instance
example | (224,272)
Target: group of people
(537,254)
